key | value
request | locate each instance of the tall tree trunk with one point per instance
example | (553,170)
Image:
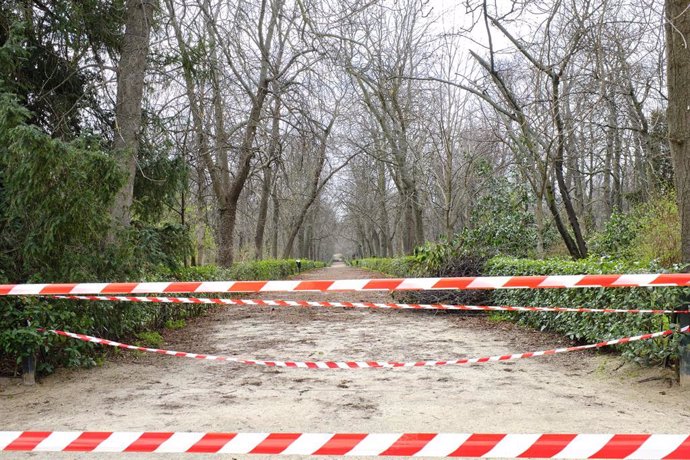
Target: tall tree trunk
(263,213)
(617,189)
(539,221)
(275,222)
(202,139)
(300,243)
(573,157)
(314,189)
(201,223)
(387,250)
(267,182)
(131,72)
(562,230)
(581,246)
(226,244)
(678,83)
(608,172)
(448,189)
(408,224)
(418,217)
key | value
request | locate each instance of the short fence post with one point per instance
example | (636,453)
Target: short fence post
(684,349)
(29,370)
(29,365)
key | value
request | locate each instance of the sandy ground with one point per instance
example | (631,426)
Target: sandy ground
(575,393)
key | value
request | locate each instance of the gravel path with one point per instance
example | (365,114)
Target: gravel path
(577,392)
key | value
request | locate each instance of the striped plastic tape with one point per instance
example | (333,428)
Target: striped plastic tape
(372,305)
(385,284)
(365,364)
(468,445)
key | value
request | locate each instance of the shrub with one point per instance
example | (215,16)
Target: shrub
(595,326)
(401,267)
(658,237)
(502,223)
(19,317)
(617,237)
(270,269)
(435,260)
(649,233)
(592,327)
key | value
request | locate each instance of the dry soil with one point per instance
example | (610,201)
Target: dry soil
(574,393)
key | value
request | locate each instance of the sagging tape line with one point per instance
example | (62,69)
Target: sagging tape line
(468,445)
(373,305)
(365,364)
(386,284)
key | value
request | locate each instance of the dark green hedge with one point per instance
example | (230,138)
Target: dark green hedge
(592,327)
(402,266)
(271,269)
(19,317)
(589,327)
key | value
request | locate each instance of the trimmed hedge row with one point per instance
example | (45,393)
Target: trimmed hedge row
(402,266)
(271,269)
(592,327)
(19,317)
(595,326)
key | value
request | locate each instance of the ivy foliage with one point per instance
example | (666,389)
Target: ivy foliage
(115,320)
(58,180)
(57,183)
(615,240)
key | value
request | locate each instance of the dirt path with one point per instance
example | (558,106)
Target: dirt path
(578,392)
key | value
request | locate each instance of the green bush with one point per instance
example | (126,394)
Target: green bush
(616,239)
(501,222)
(658,237)
(20,316)
(433,260)
(589,327)
(55,199)
(402,266)
(648,233)
(592,327)
(271,269)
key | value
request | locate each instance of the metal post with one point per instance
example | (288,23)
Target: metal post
(684,349)
(29,370)
(29,365)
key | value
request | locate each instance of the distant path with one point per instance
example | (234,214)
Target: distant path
(579,392)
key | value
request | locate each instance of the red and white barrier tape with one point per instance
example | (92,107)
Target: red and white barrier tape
(386,284)
(365,364)
(468,445)
(390,306)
